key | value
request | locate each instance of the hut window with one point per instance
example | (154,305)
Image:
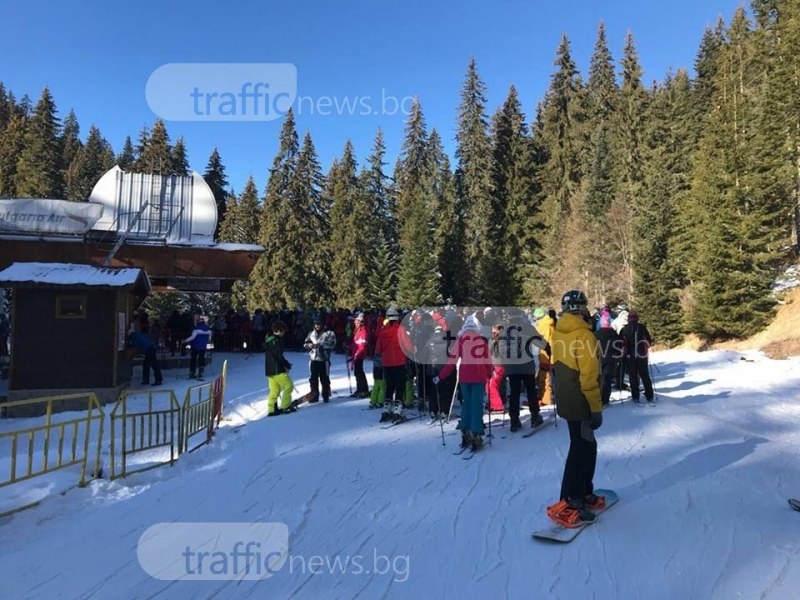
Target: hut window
(70,307)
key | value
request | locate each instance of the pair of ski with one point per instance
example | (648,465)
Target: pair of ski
(539,427)
(406,419)
(469,456)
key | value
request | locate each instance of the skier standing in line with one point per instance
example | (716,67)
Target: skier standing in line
(637,342)
(320,343)
(393,359)
(473,373)
(277,370)
(358,352)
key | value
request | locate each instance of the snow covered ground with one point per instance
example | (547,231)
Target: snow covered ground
(702,477)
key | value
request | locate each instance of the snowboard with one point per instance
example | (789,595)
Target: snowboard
(564,535)
(795,504)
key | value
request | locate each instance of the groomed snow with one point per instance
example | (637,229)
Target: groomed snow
(702,477)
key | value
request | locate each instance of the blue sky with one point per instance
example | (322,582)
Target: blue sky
(96,57)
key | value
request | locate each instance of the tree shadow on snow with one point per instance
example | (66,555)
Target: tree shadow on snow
(699,399)
(696,465)
(685,385)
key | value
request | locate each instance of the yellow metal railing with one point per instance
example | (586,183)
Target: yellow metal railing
(219,394)
(52,439)
(144,429)
(198,414)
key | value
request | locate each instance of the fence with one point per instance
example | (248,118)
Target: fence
(145,430)
(141,421)
(74,433)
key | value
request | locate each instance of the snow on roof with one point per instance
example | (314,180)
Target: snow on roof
(68,274)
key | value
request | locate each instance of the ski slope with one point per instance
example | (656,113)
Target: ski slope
(702,477)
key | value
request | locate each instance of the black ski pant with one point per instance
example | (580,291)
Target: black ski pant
(197,359)
(150,361)
(638,368)
(395,378)
(578,478)
(443,394)
(607,381)
(318,370)
(362,387)
(515,383)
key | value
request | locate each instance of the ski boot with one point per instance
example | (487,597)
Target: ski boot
(466,439)
(387,414)
(477,442)
(536,420)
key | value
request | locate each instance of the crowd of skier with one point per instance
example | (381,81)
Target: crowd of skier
(483,359)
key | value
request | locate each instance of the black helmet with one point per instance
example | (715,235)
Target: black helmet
(574,301)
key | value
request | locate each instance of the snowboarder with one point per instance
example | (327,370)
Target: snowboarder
(199,339)
(320,343)
(576,372)
(277,370)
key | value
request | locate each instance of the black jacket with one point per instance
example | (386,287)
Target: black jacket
(637,340)
(610,346)
(274,361)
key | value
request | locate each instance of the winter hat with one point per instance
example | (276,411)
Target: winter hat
(538,313)
(360,316)
(471,323)
(633,315)
(392,314)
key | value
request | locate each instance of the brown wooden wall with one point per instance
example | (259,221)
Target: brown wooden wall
(51,353)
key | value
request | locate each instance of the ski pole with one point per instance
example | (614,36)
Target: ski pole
(453,399)
(653,382)
(349,385)
(490,422)
(441,414)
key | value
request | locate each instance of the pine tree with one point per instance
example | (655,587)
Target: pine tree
(418,276)
(247,214)
(376,185)
(307,197)
(154,153)
(729,279)
(474,185)
(70,140)
(706,66)
(228,227)
(448,224)
(349,241)
(127,157)
(665,178)
(631,125)
(12,141)
(6,108)
(516,238)
(274,277)
(602,101)
(88,166)
(382,277)
(179,161)
(39,168)
(558,141)
(214,176)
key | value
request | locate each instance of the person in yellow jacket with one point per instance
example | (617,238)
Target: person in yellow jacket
(576,371)
(546,327)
